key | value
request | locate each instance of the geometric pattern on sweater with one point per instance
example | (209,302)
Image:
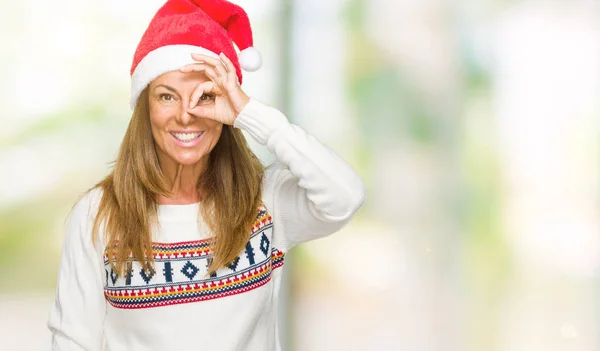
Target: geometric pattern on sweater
(181,272)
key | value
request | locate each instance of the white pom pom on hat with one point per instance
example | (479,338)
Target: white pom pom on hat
(250,59)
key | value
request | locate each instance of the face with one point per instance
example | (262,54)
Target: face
(180,138)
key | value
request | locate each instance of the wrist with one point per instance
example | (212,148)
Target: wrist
(239,106)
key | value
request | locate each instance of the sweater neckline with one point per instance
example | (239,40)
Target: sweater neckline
(187,211)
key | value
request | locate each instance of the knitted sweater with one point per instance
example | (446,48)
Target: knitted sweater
(178,306)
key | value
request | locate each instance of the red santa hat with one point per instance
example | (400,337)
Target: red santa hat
(183,27)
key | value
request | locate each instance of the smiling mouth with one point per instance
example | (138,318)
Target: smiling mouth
(186,137)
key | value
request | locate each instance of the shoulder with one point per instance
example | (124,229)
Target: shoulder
(274,175)
(80,220)
(273,172)
(86,207)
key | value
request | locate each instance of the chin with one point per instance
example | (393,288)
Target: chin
(186,157)
(187,160)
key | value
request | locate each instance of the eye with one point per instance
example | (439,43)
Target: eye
(206,98)
(166,97)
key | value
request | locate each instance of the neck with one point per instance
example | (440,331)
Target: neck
(182,181)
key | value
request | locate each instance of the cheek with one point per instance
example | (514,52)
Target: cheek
(216,129)
(158,121)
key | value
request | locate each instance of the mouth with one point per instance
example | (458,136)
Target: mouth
(186,137)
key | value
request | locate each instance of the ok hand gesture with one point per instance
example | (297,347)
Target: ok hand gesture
(221,98)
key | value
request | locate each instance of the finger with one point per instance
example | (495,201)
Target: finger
(231,75)
(202,88)
(197,67)
(202,112)
(213,76)
(208,70)
(216,63)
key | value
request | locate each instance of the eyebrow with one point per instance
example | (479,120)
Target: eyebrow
(167,87)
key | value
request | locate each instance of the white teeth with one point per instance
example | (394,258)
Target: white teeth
(186,136)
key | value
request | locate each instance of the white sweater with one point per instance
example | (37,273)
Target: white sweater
(179,307)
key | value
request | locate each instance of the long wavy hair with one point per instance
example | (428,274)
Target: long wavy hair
(231,190)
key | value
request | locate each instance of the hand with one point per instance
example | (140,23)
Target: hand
(229,98)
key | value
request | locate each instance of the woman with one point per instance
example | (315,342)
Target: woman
(178,248)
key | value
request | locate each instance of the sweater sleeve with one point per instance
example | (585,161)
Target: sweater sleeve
(77,313)
(316,193)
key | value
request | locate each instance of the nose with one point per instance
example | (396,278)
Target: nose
(183,116)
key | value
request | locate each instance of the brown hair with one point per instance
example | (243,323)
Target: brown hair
(231,190)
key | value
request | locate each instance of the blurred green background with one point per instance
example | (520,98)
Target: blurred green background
(474,125)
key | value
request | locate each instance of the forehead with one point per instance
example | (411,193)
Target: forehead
(177,79)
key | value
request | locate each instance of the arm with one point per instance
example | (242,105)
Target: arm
(318,194)
(78,311)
